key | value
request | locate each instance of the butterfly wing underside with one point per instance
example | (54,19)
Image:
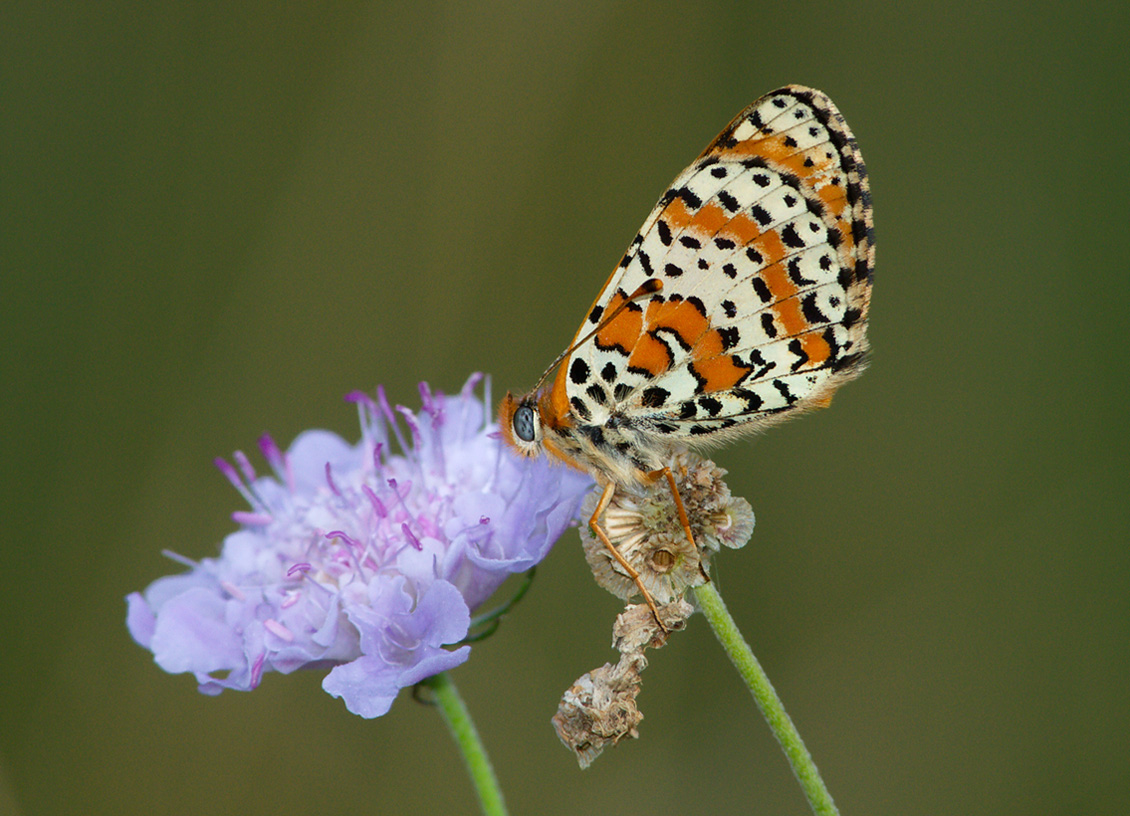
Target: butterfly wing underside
(765,249)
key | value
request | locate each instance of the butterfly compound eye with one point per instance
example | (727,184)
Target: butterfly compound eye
(524,425)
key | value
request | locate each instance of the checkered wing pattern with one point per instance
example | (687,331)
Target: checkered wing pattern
(764,247)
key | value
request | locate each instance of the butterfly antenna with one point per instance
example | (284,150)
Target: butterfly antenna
(648,287)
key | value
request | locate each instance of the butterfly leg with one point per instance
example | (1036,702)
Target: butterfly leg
(684,520)
(594,524)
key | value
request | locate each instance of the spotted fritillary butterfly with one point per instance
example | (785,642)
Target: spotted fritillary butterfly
(742,301)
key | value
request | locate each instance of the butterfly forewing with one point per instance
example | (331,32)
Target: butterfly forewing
(765,252)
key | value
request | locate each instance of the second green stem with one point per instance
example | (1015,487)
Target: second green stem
(726,630)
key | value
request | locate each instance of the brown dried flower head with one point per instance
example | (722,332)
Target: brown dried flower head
(643,523)
(600,709)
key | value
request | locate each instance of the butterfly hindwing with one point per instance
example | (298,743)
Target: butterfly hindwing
(764,249)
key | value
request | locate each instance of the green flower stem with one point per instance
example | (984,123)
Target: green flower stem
(462,728)
(712,605)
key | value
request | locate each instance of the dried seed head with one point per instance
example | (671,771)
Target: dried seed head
(600,708)
(642,521)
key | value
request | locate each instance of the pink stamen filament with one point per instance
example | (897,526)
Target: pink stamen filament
(244,465)
(233,590)
(251,519)
(277,629)
(415,542)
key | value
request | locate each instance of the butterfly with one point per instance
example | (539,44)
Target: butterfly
(742,301)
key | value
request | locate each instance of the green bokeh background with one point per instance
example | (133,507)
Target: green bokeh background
(218,219)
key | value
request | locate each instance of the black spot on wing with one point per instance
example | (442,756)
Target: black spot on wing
(810,310)
(802,356)
(597,393)
(790,179)
(850,362)
(863,271)
(753,402)
(645,262)
(783,387)
(860,230)
(654,397)
(829,336)
(579,371)
(730,337)
(728,201)
(700,381)
(795,275)
(757,362)
(790,238)
(580,409)
(689,198)
(627,259)
(710,405)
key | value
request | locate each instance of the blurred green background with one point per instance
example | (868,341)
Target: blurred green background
(220,218)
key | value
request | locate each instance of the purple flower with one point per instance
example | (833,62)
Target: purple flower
(360,560)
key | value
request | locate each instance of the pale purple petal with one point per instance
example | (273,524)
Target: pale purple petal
(358,559)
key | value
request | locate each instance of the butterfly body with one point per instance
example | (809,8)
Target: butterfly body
(742,301)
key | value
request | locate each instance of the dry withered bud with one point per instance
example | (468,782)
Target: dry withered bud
(643,523)
(600,708)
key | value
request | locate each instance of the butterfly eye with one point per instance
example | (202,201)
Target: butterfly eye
(525,424)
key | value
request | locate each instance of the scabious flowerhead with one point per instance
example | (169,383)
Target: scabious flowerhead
(360,560)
